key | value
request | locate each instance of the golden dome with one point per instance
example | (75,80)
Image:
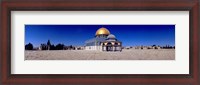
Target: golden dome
(102,30)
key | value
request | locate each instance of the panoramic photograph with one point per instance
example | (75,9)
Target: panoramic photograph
(99,42)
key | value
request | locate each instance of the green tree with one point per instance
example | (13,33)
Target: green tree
(48,45)
(29,46)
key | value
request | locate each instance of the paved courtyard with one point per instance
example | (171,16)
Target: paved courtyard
(131,54)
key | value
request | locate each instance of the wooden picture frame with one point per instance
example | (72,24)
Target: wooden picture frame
(193,78)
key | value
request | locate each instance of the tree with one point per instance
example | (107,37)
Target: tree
(59,46)
(29,46)
(52,47)
(48,44)
(43,47)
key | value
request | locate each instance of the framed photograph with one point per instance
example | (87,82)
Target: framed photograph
(140,42)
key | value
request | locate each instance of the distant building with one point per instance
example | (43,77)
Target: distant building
(103,41)
(148,47)
(79,48)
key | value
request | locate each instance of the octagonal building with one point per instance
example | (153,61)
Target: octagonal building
(103,41)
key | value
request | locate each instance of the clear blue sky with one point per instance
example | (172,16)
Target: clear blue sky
(76,35)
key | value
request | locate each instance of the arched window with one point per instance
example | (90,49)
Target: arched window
(116,44)
(109,44)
